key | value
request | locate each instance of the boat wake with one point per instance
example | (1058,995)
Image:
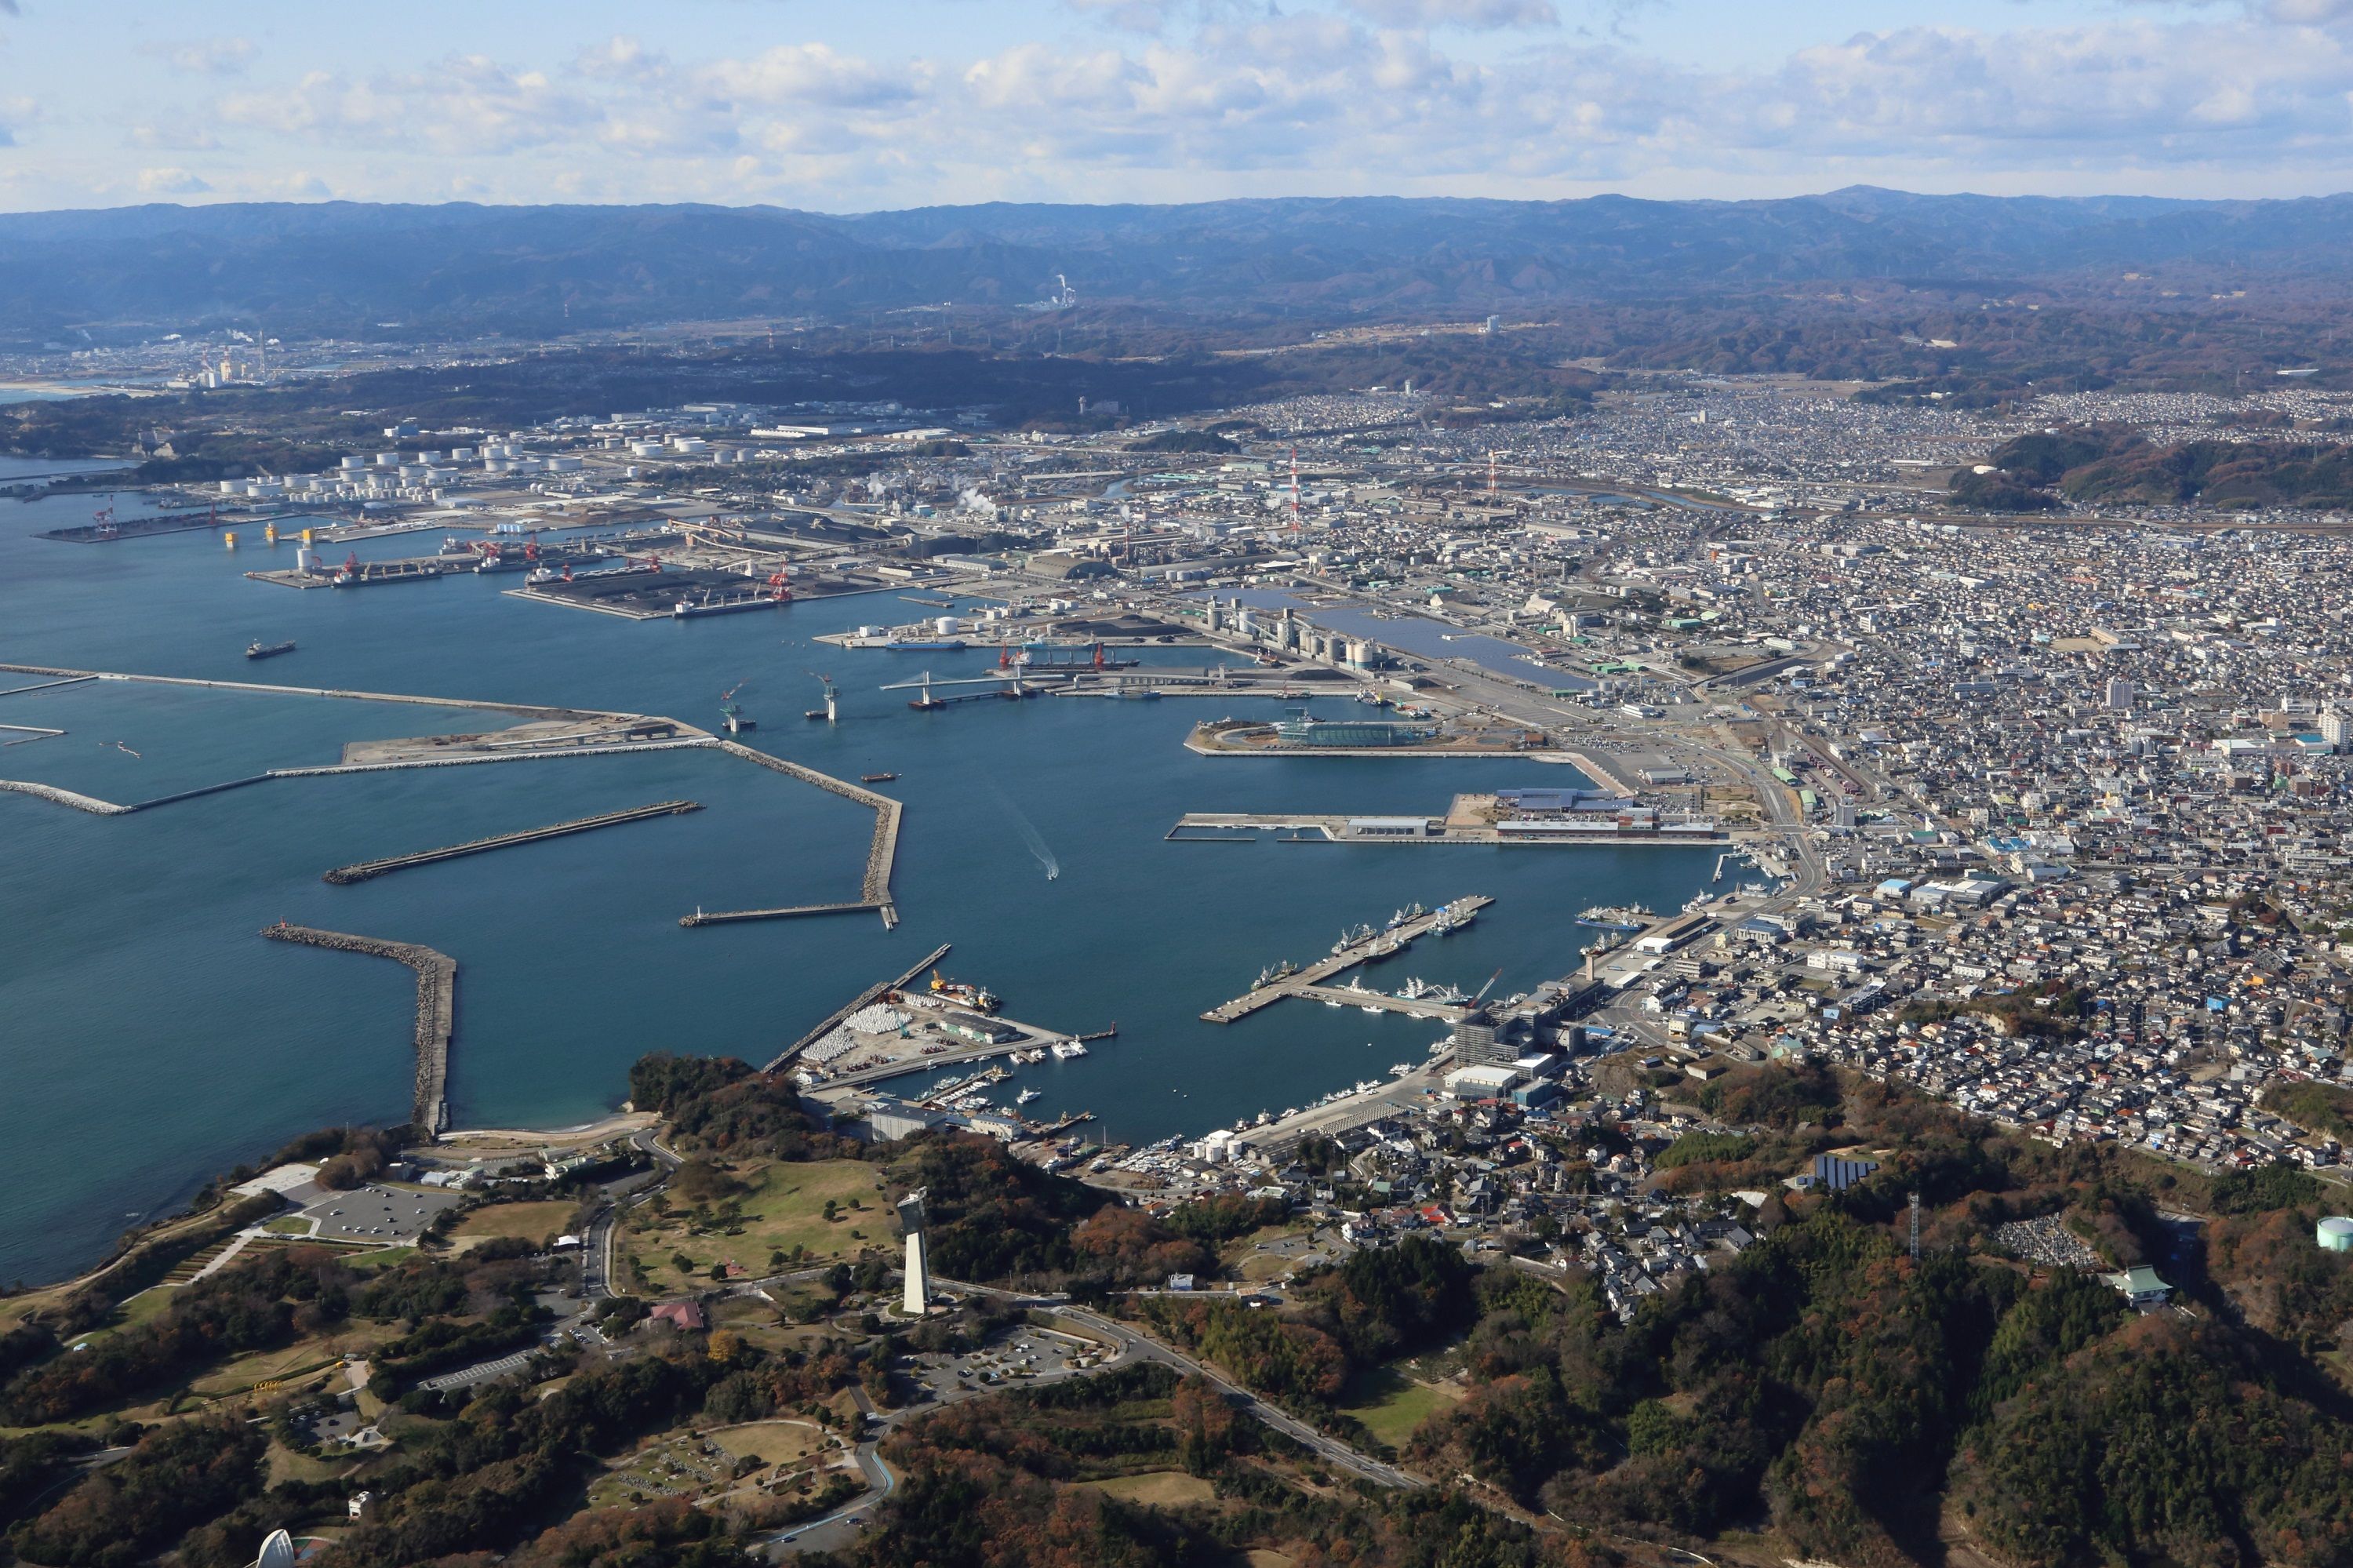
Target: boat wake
(1031,837)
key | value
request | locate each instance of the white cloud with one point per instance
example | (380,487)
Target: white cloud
(1240,97)
(169,182)
(176,136)
(204,57)
(1480,15)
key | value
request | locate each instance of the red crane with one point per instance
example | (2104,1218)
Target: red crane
(780,586)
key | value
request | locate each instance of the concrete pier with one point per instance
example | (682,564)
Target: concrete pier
(526,710)
(362,870)
(1379,945)
(869,995)
(734,917)
(882,853)
(1351,997)
(1336,828)
(436,1004)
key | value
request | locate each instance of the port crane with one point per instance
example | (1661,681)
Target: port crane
(732,712)
(831,712)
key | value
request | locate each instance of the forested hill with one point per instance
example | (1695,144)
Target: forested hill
(2106,464)
(346,267)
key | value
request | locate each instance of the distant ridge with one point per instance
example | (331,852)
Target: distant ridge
(342,266)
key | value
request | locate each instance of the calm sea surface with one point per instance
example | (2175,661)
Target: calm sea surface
(149,1036)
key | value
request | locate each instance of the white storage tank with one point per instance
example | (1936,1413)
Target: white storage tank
(2337,1234)
(945,625)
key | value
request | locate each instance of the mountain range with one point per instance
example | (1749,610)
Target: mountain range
(344,268)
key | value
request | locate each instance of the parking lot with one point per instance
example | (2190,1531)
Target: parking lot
(379,1212)
(1013,1357)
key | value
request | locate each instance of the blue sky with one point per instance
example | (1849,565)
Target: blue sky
(907,102)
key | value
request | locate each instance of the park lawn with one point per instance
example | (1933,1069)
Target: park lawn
(289,1225)
(382,1257)
(149,1303)
(1167,1489)
(532,1222)
(770,1442)
(283,1464)
(302,1357)
(783,1207)
(1391,1405)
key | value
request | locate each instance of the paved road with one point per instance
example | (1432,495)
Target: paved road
(480,1372)
(1333,1452)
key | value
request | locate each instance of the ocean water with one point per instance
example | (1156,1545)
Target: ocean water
(149,1036)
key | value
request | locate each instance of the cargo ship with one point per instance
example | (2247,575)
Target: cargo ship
(873,777)
(261,650)
(979,997)
(724,604)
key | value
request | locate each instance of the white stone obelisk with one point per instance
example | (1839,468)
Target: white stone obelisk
(919,1266)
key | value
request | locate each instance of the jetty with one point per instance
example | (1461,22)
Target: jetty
(787,912)
(436,1006)
(866,998)
(362,871)
(881,853)
(1380,945)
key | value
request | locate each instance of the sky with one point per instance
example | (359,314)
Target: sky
(894,104)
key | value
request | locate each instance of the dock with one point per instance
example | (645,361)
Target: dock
(361,870)
(1379,946)
(1336,828)
(436,1007)
(866,998)
(1352,997)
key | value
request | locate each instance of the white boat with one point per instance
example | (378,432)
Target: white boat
(1026,1096)
(1066,1049)
(1402,1070)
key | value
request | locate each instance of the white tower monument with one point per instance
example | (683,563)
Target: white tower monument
(919,1266)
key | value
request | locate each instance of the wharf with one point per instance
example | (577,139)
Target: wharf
(1383,1001)
(1328,827)
(362,870)
(1380,945)
(436,1004)
(864,999)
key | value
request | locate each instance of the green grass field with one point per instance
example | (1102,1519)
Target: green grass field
(529,1221)
(1167,1489)
(1391,1405)
(783,1206)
